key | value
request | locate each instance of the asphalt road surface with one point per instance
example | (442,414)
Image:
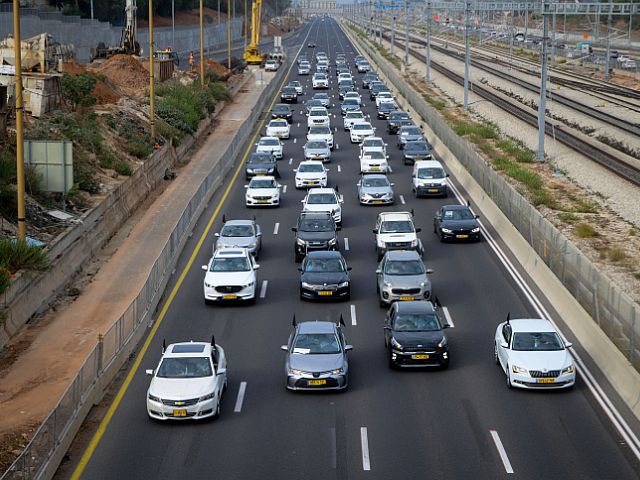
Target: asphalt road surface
(460,423)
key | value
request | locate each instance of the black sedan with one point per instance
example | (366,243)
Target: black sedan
(325,277)
(261,163)
(282,110)
(289,95)
(456,222)
(397,120)
(385,109)
(414,336)
(315,231)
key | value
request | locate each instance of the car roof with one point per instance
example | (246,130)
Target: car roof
(531,325)
(374,175)
(263,177)
(316,327)
(318,215)
(403,255)
(428,164)
(239,222)
(324,254)
(230,252)
(188,349)
(455,207)
(314,191)
(394,215)
(415,306)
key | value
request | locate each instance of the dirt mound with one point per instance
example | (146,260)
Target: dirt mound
(72,67)
(218,69)
(126,72)
(102,91)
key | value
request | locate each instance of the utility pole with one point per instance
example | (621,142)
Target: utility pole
(152,121)
(218,12)
(543,82)
(17,51)
(92,10)
(428,47)
(228,37)
(246,26)
(553,38)
(467,54)
(608,57)
(173,24)
(393,34)
(406,33)
(513,14)
(202,43)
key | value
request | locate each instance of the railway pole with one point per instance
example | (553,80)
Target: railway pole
(513,14)
(553,38)
(543,82)
(17,51)
(608,56)
(467,54)
(406,33)
(152,120)
(202,43)
(393,35)
(428,48)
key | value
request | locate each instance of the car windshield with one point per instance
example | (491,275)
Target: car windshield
(373,142)
(324,265)
(261,159)
(279,123)
(399,116)
(270,142)
(345,83)
(426,173)
(310,168)
(411,131)
(280,109)
(314,102)
(262,183)
(190,367)
(375,155)
(416,147)
(316,344)
(316,225)
(354,115)
(375,182)
(416,322)
(320,130)
(536,341)
(321,198)
(230,264)
(404,267)
(458,214)
(317,144)
(350,102)
(290,90)
(318,112)
(397,226)
(320,96)
(361,126)
(321,76)
(237,231)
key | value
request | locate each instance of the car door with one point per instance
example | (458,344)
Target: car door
(343,342)
(219,365)
(388,324)
(436,220)
(503,352)
(258,233)
(380,275)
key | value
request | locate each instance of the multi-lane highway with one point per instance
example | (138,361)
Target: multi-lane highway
(460,423)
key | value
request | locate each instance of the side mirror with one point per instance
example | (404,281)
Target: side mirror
(256,266)
(375,230)
(301,201)
(294,229)
(246,186)
(216,234)
(447,175)
(221,371)
(348,348)
(504,344)
(299,269)
(149,372)
(259,234)
(446,325)
(568,345)
(205,267)
(418,230)
(393,184)
(477,216)
(349,269)
(387,157)
(429,270)
(378,271)
(386,327)
(284,347)
(295,169)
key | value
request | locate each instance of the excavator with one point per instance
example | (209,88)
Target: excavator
(252,53)
(128,43)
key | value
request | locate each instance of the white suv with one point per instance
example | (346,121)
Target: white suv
(263,191)
(231,275)
(395,231)
(351,118)
(321,132)
(373,144)
(429,178)
(324,200)
(374,162)
(320,80)
(271,145)
(318,116)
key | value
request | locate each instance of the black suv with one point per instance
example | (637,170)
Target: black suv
(282,110)
(375,88)
(413,334)
(397,120)
(368,78)
(314,231)
(385,109)
(289,95)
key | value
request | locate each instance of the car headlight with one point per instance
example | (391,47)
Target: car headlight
(332,241)
(387,284)
(475,230)
(153,398)
(442,343)
(445,230)
(249,170)
(517,369)
(338,371)
(296,372)
(208,396)
(208,285)
(306,285)
(395,344)
(250,284)
(569,369)
(300,242)
(343,284)
(414,243)
(253,244)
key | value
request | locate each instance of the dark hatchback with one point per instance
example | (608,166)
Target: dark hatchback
(456,222)
(282,110)
(375,88)
(397,120)
(413,334)
(261,163)
(325,277)
(368,78)
(289,95)
(314,231)
(416,151)
(386,109)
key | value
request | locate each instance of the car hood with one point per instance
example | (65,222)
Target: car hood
(405,281)
(181,388)
(321,207)
(459,224)
(268,148)
(316,363)
(262,191)
(545,361)
(414,339)
(260,166)
(229,278)
(316,236)
(316,151)
(376,190)
(417,153)
(410,138)
(397,237)
(319,278)
(310,174)
(235,241)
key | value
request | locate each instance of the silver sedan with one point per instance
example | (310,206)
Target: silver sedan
(402,276)
(375,190)
(240,233)
(317,150)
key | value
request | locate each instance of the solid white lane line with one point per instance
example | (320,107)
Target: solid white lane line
(402,199)
(354,319)
(389,169)
(501,451)
(447,315)
(240,399)
(290,161)
(284,189)
(263,289)
(339,169)
(295,140)
(276,227)
(346,243)
(364,440)
(299,122)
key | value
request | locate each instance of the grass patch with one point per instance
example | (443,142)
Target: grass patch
(435,103)
(617,254)
(521,153)
(582,205)
(123,168)
(568,217)
(18,255)
(585,230)
(633,232)
(530,179)
(478,130)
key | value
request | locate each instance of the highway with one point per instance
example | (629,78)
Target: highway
(460,423)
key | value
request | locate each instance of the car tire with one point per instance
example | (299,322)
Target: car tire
(216,414)
(297,258)
(252,301)
(382,303)
(441,238)
(208,302)
(509,385)
(495,354)
(390,363)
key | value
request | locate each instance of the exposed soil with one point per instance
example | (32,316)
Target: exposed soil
(218,69)
(127,73)
(104,93)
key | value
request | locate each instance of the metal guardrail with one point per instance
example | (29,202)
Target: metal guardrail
(34,459)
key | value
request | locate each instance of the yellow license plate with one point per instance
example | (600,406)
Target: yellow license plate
(312,183)
(317,382)
(420,357)
(378,201)
(260,174)
(375,169)
(433,190)
(406,297)
(546,380)
(462,236)
(263,201)
(179,413)
(325,293)
(230,297)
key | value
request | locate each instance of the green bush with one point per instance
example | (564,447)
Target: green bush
(485,130)
(584,230)
(17,255)
(76,89)
(123,168)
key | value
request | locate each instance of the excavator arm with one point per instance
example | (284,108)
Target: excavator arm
(252,53)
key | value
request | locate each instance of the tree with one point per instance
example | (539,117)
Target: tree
(77,89)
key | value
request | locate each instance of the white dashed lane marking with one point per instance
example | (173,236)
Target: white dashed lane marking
(346,243)
(447,316)
(276,227)
(240,399)
(263,289)
(402,200)
(354,319)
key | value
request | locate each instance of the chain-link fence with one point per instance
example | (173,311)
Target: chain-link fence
(615,312)
(57,426)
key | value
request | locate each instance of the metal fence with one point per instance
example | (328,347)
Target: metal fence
(615,312)
(58,424)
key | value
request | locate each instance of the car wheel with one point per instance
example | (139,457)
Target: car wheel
(297,258)
(252,301)
(382,303)
(208,302)
(444,366)
(441,238)
(390,362)
(509,385)
(216,414)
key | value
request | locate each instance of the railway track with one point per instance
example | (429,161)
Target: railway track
(602,156)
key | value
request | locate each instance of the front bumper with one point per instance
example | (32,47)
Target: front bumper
(431,190)
(331,292)
(302,250)
(365,200)
(199,411)
(266,202)
(250,173)
(422,358)
(320,158)
(374,169)
(308,183)
(390,294)
(246,293)
(278,134)
(322,382)
(528,382)
(289,99)
(460,236)
(412,160)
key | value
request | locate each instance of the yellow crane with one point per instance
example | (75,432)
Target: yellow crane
(252,55)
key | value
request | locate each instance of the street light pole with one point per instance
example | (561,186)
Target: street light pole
(202,43)
(608,57)
(513,14)
(228,36)
(152,121)
(406,33)
(467,54)
(543,83)
(173,24)
(428,48)
(393,34)
(17,51)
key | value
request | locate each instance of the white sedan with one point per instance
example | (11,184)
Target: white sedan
(318,116)
(373,144)
(360,131)
(533,355)
(231,276)
(271,145)
(188,382)
(278,128)
(323,200)
(262,191)
(374,162)
(321,133)
(353,117)
(353,95)
(311,173)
